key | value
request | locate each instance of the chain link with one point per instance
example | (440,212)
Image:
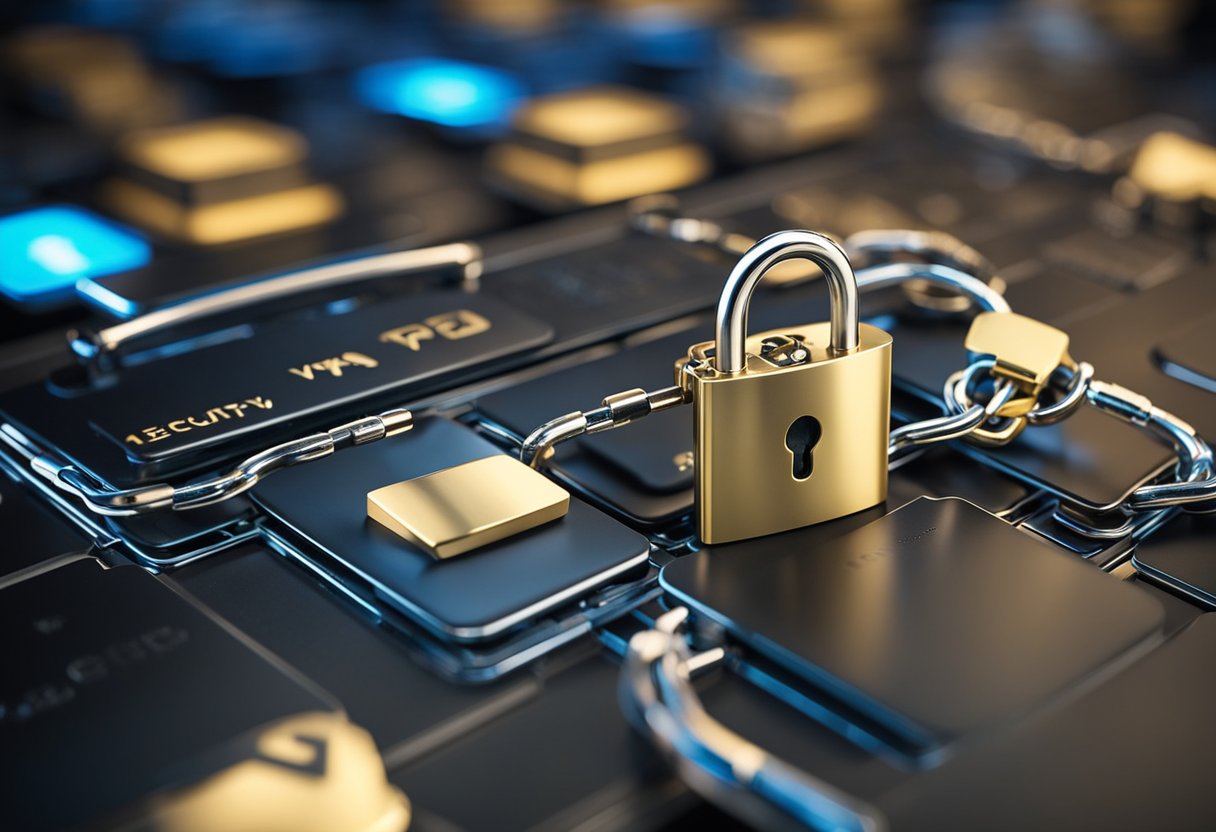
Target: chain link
(1194,486)
(102,498)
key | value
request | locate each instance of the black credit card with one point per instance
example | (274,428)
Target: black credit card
(286,371)
(935,622)
(476,597)
(114,687)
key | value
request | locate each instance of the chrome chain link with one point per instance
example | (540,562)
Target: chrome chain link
(102,498)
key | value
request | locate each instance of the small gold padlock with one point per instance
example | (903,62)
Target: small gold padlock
(791,425)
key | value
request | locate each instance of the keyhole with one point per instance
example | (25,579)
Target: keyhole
(801,439)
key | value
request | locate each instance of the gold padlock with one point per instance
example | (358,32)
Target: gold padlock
(791,425)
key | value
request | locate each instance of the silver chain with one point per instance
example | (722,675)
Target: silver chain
(1194,486)
(102,498)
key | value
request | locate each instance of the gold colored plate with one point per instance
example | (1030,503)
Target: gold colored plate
(467,506)
(224,222)
(598,117)
(214,149)
(314,772)
(1176,168)
(555,183)
(1026,351)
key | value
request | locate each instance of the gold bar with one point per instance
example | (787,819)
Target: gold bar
(468,506)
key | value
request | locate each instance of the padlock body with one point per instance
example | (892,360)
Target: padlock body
(745,473)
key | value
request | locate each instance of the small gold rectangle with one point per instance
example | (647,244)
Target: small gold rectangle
(598,117)
(467,506)
(1025,350)
(224,222)
(216,148)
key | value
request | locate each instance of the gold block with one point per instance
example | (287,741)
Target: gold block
(313,772)
(598,118)
(1026,351)
(217,148)
(96,79)
(224,222)
(556,184)
(1176,168)
(462,508)
(218,181)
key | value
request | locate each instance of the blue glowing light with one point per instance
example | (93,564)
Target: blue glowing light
(44,251)
(444,92)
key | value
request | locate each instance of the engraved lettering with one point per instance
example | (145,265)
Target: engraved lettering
(333,366)
(88,669)
(164,639)
(410,336)
(235,410)
(49,625)
(125,652)
(360,359)
(458,324)
(93,667)
(44,698)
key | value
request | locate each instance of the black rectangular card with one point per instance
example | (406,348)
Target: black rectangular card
(113,687)
(477,596)
(286,372)
(936,621)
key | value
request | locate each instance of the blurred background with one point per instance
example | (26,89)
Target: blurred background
(151,150)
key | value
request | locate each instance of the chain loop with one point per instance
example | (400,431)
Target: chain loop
(101,498)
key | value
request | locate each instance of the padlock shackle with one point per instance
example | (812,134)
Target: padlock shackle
(731,332)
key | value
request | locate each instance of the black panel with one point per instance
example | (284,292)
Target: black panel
(901,618)
(406,707)
(31,532)
(1183,557)
(113,687)
(471,597)
(1137,753)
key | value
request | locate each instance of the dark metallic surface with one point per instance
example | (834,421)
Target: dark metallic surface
(900,619)
(470,598)
(548,747)
(32,534)
(259,367)
(90,653)
(1092,766)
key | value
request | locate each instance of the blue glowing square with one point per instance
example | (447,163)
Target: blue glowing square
(451,94)
(44,251)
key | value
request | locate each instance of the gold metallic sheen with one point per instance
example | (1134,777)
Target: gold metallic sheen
(557,184)
(467,506)
(1026,351)
(217,148)
(224,222)
(598,117)
(1175,168)
(745,486)
(314,772)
